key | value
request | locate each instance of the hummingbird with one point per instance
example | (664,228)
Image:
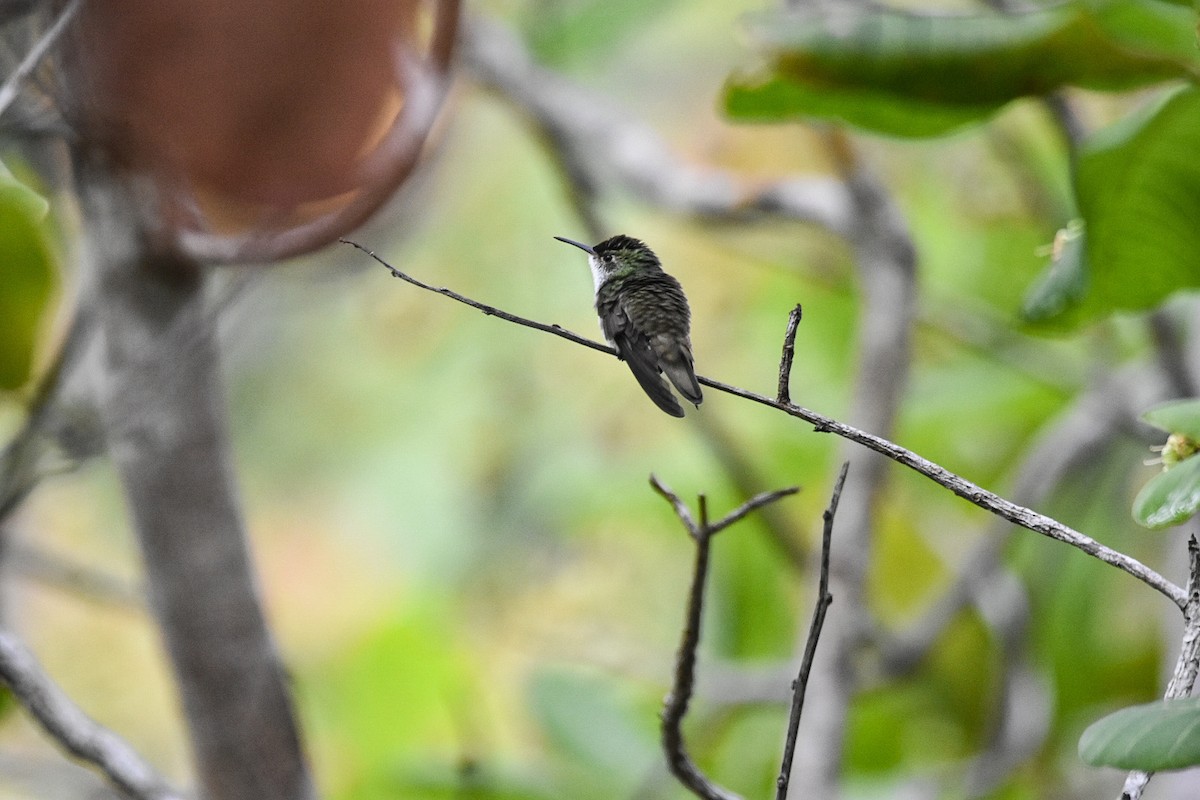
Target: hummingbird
(644,314)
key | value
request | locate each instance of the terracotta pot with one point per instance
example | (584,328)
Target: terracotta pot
(261,114)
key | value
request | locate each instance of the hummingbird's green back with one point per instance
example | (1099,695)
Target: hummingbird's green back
(645,315)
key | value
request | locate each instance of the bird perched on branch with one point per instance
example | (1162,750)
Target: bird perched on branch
(644,314)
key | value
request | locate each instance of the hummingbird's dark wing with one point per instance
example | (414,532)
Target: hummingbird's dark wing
(644,367)
(657,308)
(634,348)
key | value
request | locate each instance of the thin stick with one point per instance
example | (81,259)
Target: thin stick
(754,503)
(971,492)
(12,84)
(824,599)
(681,509)
(72,729)
(78,578)
(1183,679)
(789,352)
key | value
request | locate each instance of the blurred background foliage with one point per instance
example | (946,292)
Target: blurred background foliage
(477,593)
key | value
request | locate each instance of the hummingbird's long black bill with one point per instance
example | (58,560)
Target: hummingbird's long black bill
(587,248)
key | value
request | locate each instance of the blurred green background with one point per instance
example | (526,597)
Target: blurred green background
(476,591)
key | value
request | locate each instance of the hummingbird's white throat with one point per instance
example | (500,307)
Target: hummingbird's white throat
(598,273)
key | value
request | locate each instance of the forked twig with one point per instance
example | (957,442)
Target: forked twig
(676,705)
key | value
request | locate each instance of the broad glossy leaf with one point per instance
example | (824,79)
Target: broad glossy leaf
(1176,416)
(26,277)
(1154,736)
(921,75)
(1138,187)
(774,97)
(1170,497)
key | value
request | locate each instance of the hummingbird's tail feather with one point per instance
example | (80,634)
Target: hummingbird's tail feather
(685,382)
(683,376)
(656,388)
(644,367)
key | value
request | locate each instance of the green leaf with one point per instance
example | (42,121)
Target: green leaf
(1138,190)
(1151,737)
(1151,26)
(28,277)
(1170,497)
(1176,416)
(1138,187)
(767,97)
(922,75)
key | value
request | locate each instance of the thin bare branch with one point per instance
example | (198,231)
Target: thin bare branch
(12,84)
(490,311)
(969,491)
(78,578)
(1187,666)
(1183,679)
(1066,118)
(73,730)
(824,599)
(1171,353)
(1078,435)
(789,352)
(750,505)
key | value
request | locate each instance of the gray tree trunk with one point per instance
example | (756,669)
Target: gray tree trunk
(163,411)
